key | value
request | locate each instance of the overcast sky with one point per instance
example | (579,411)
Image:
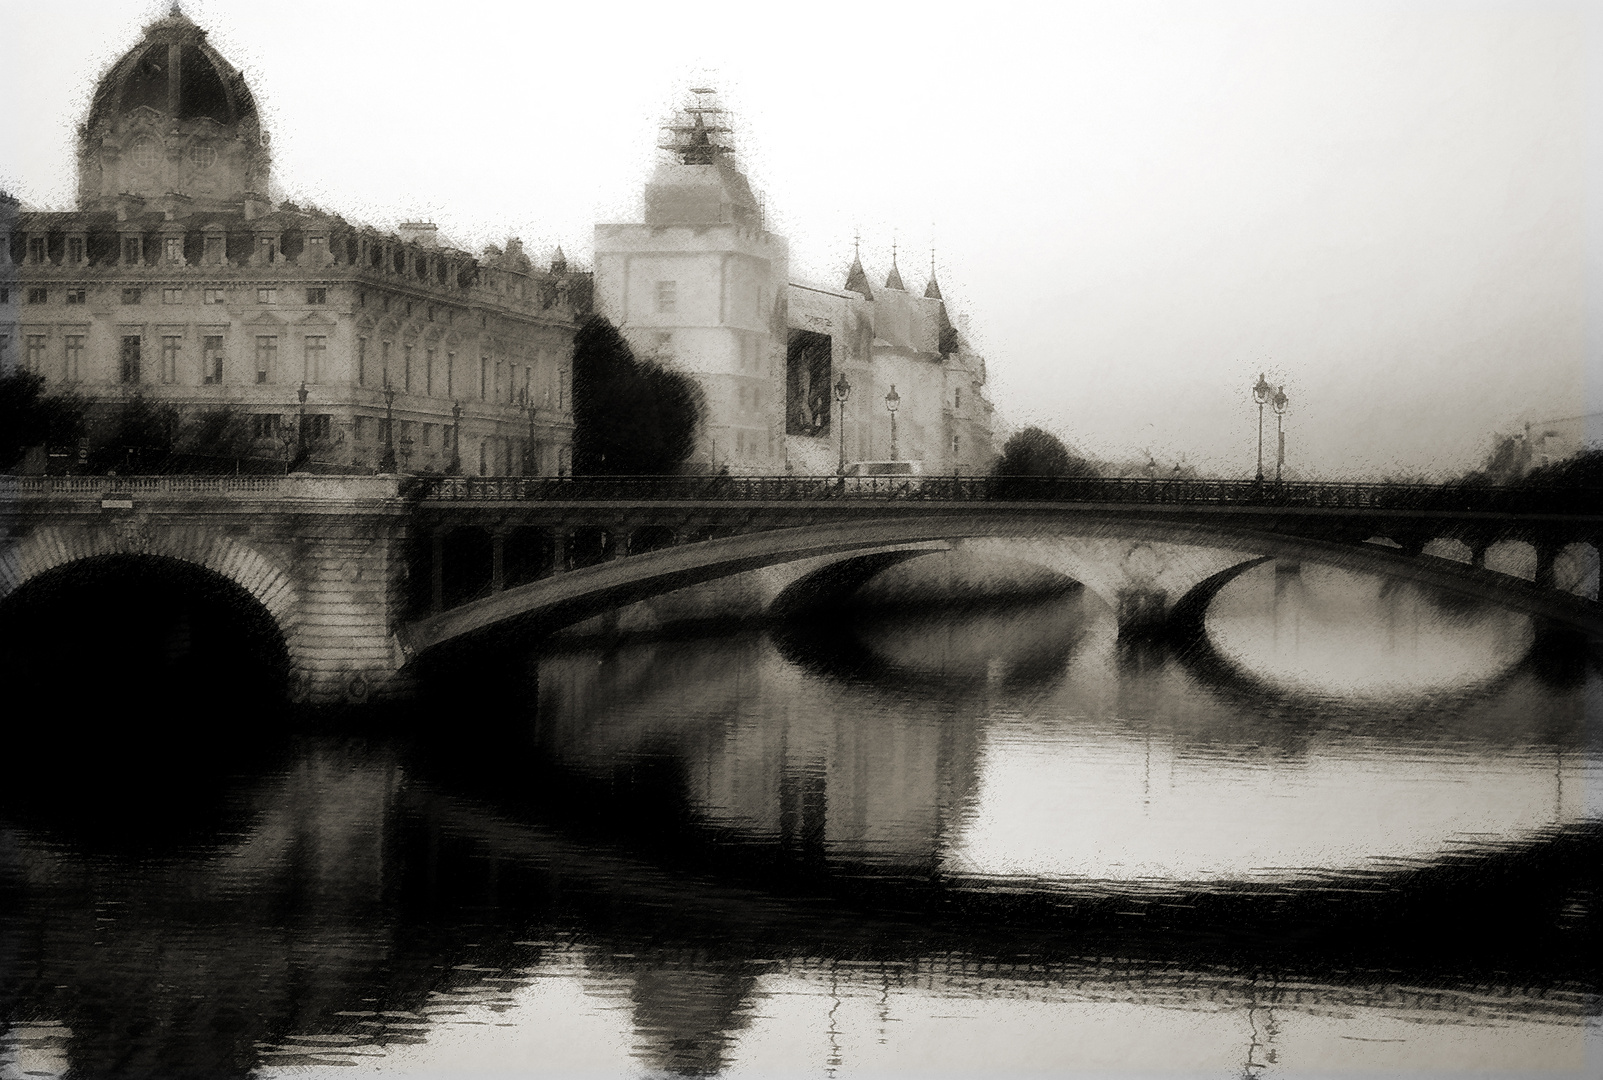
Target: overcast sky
(1138,206)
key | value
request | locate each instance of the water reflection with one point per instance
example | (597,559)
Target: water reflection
(984,840)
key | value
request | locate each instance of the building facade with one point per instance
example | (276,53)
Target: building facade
(701,286)
(176,278)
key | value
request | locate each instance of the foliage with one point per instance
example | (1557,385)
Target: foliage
(629,417)
(31,417)
(1583,470)
(136,435)
(1036,452)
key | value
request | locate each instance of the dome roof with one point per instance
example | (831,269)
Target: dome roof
(173,71)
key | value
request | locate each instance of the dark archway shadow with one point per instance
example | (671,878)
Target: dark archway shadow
(138,689)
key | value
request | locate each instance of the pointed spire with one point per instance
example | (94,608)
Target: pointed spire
(893,280)
(559,261)
(856,279)
(932,291)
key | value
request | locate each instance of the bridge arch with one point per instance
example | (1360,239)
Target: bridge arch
(566,598)
(49,547)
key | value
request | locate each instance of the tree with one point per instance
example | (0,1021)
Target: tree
(629,417)
(1036,452)
(135,435)
(213,440)
(30,417)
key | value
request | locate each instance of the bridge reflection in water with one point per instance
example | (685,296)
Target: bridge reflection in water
(859,849)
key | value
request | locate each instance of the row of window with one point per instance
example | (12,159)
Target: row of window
(319,426)
(497,384)
(172,249)
(314,295)
(131,358)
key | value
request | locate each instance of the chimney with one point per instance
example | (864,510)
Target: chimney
(425,233)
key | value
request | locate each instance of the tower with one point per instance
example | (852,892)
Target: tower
(172,117)
(699,286)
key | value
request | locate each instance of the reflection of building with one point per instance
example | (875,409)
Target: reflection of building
(178,278)
(702,286)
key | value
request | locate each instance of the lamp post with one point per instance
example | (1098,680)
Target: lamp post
(843,390)
(386,463)
(300,427)
(455,468)
(1280,401)
(526,403)
(1261,392)
(892,400)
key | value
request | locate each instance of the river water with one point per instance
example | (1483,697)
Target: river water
(1358,830)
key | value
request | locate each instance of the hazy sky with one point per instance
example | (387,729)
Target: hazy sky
(1391,208)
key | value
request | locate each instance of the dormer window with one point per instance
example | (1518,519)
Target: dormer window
(75,251)
(173,249)
(267,248)
(133,250)
(36,249)
(317,247)
(214,249)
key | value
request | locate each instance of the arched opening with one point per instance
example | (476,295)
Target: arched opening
(144,680)
(1575,570)
(589,546)
(118,630)
(1513,557)
(650,538)
(529,554)
(466,566)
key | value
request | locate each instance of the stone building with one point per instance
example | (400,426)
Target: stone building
(701,286)
(179,279)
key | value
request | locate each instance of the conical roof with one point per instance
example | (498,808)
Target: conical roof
(893,280)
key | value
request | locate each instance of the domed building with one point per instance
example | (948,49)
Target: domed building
(178,278)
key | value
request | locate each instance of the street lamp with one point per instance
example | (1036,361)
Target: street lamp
(892,400)
(1280,401)
(386,464)
(455,468)
(843,390)
(1261,392)
(300,427)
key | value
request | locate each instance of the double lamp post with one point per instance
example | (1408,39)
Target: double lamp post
(1264,394)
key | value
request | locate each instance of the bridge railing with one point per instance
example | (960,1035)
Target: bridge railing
(1298,494)
(292,486)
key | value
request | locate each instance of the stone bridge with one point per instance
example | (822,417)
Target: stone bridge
(364,574)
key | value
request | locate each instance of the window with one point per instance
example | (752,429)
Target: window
(133,250)
(667,296)
(5,296)
(214,249)
(264,425)
(38,296)
(266,357)
(484,468)
(213,296)
(450,374)
(5,344)
(384,362)
(212,360)
(361,361)
(203,156)
(496,386)
(316,247)
(36,249)
(957,398)
(132,296)
(316,353)
(406,368)
(77,296)
(74,370)
(172,248)
(267,296)
(361,298)
(130,358)
(172,296)
(484,378)
(428,373)
(169,358)
(317,296)
(319,427)
(35,358)
(267,248)
(955,445)
(75,250)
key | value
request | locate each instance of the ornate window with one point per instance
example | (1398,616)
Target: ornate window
(203,156)
(35,358)
(266,357)
(129,372)
(74,368)
(170,346)
(212,360)
(316,355)
(146,154)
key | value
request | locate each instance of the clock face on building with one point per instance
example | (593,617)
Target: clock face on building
(146,154)
(203,156)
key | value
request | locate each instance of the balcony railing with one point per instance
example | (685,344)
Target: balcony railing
(1451,498)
